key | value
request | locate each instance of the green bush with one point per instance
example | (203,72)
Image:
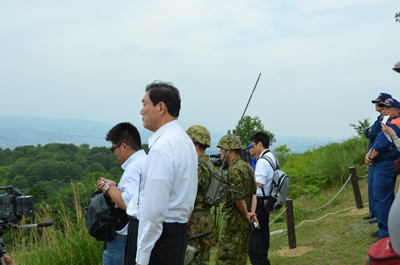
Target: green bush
(326,166)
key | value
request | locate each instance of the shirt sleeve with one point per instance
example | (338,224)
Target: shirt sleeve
(155,202)
(130,183)
(397,143)
(382,144)
(236,179)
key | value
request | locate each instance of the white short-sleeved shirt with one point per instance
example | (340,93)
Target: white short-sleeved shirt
(264,173)
(130,179)
(170,186)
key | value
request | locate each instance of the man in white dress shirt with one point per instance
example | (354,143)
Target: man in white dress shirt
(158,231)
(126,145)
(259,238)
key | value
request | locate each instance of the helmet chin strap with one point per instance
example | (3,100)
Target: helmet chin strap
(240,122)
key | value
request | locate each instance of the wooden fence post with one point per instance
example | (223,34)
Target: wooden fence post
(356,188)
(290,224)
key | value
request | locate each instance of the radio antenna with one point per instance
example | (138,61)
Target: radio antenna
(240,123)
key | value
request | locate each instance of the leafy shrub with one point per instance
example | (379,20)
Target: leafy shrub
(326,166)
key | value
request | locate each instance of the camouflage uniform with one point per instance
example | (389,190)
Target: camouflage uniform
(235,230)
(201,221)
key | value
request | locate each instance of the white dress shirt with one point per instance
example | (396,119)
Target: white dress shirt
(170,186)
(264,173)
(130,179)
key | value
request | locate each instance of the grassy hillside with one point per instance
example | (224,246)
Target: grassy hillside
(316,177)
(341,238)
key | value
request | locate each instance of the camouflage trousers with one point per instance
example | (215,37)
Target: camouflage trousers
(197,226)
(233,242)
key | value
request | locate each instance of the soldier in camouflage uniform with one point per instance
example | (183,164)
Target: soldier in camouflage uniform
(239,207)
(200,221)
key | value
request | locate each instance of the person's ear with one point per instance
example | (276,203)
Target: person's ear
(162,108)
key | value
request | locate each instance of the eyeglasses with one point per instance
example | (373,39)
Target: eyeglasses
(115,147)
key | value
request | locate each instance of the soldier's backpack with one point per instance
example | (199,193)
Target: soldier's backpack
(102,218)
(218,187)
(279,187)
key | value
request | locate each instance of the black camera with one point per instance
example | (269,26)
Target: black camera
(217,160)
(12,206)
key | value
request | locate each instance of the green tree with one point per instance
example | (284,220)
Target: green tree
(3,157)
(249,127)
(397,17)
(145,147)
(361,126)
(38,192)
(18,168)
(20,182)
(96,167)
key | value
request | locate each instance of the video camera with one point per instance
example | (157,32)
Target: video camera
(217,161)
(12,206)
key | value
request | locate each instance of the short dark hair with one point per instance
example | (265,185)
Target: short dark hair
(261,137)
(127,133)
(167,93)
(236,151)
(201,146)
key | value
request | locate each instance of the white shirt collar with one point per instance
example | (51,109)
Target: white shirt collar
(168,126)
(264,152)
(132,158)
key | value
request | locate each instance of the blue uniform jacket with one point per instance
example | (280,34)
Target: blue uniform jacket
(386,149)
(253,162)
(376,128)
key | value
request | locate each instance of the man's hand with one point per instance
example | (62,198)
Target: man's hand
(367,160)
(100,184)
(8,260)
(388,130)
(253,219)
(250,217)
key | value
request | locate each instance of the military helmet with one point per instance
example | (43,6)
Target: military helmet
(199,134)
(227,140)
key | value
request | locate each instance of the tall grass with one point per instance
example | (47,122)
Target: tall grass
(68,244)
(326,166)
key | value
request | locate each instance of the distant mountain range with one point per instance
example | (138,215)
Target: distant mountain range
(19,130)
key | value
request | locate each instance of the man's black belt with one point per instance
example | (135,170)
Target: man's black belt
(383,159)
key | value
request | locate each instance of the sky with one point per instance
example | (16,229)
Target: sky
(322,61)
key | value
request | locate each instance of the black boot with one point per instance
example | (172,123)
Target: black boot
(370,216)
(372,221)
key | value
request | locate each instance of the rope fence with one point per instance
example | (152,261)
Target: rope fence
(289,209)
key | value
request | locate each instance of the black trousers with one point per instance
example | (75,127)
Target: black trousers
(259,238)
(169,249)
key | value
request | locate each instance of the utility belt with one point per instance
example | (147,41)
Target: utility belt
(383,159)
(200,213)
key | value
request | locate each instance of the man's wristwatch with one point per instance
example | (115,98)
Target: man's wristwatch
(107,187)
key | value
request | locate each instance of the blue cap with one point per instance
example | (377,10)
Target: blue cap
(250,145)
(390,102)
(381,97)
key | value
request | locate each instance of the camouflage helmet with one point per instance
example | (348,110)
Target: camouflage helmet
(227,140)
(199,134)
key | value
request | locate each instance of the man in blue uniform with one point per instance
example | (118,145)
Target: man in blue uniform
(371,133)
(253,161)
(382,156)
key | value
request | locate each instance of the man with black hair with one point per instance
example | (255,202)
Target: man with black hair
(259,238)
(158,231)
(126,145)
